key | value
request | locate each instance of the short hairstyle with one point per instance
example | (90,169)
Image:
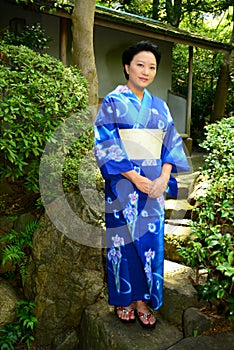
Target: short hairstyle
(131,51)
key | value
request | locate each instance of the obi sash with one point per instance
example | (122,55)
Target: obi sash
(142,143)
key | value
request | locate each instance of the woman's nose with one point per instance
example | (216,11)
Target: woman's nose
(146,71)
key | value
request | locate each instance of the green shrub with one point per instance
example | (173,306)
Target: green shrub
(31,36)
(21,331)
(212,246)
(80,166)
(37,93)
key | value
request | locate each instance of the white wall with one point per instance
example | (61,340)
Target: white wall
(109,45)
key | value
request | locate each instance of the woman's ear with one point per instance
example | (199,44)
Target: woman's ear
(126,68)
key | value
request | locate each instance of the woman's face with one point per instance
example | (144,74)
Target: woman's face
(142,70)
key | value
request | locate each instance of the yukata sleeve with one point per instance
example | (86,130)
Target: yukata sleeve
(109,151)
(172,148)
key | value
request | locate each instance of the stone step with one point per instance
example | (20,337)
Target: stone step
(178,209)
(175,235)
(186,183)
(101,330)
(174,270)
(179,294)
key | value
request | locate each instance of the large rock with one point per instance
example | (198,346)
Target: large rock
(8,300)
(200,188)
(220,341)
(195,322)
(101,330)
(65,277)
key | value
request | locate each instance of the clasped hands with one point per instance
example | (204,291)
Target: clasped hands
(154,188)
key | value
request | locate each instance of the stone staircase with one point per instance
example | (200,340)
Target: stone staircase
(100,329)
(179,319)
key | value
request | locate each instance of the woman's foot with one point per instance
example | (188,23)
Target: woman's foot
(126,314)
(145,317)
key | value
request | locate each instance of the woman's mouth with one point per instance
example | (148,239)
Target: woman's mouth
(144,80)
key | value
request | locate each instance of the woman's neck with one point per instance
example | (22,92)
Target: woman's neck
(138,92)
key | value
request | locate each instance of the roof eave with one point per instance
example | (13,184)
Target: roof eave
(126,22)
(154,29)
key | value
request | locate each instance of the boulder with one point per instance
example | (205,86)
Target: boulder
(195,322)
(213,342)
(65,276)
(22,221)
(8,300)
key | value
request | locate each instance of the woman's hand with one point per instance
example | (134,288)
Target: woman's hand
(142,183)
(153,188)
(157,187)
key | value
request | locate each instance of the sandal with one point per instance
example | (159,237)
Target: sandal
(141,315)
(129,312)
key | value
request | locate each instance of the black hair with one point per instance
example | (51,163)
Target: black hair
(131,51)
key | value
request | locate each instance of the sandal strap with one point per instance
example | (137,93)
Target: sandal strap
(125,311)
(145,316)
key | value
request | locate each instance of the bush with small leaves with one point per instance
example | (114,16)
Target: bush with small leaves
(32,36)
(212,244)
(37,93)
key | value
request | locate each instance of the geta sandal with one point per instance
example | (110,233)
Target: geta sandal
(141,315)
(129,312)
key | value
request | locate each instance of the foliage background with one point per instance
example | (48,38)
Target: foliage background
(212,245)
(37,93)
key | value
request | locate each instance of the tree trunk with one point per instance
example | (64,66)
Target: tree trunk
(174,10)
(155,8)
(221,91)
(83,48)
(223,84)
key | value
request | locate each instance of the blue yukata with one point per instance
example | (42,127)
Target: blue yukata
(135,222)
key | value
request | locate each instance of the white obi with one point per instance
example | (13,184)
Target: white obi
(142,143)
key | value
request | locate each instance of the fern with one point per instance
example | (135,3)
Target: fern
(23,269)
(18,248)
(21,238)
(12,253)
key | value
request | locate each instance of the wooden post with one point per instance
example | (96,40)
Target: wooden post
(190,88)
(63,40)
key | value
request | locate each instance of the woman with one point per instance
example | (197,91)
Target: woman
(137,148)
